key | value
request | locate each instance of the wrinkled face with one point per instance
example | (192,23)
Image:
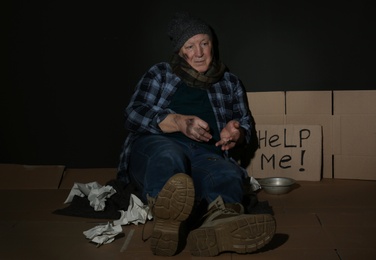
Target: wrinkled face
(197,51)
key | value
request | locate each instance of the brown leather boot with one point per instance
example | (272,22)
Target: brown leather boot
(170,209)
(227,229)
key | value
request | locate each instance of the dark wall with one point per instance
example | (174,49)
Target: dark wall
(70,68)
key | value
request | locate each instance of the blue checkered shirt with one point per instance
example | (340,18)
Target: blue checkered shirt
(149,106)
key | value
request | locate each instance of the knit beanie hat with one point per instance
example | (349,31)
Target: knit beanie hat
(184,26)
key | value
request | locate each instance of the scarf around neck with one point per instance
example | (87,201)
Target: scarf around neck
(192,77)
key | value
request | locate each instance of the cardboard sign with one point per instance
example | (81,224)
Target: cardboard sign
(293,151)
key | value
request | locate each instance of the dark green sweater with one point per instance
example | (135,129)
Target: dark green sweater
(193,101)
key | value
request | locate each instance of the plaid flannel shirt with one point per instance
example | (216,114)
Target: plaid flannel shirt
(149,106)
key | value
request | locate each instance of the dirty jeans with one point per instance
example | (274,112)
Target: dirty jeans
(155,158)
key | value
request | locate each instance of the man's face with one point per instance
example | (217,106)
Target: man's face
(197,51)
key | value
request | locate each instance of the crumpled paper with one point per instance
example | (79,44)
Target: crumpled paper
(255,185)
(137,212)
(103,234)
(96,194)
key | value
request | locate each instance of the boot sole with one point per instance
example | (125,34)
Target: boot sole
(240,234)
(172,207)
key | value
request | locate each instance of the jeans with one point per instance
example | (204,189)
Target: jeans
(155,158)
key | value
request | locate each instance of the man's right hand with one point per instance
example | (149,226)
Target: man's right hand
(191,126)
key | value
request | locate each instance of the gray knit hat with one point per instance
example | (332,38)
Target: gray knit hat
(184,26)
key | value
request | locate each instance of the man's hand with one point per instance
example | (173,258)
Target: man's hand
(231,135)
(191,126)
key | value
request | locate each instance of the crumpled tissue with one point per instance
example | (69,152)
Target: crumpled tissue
(137,212)
(96,194)
(103,234)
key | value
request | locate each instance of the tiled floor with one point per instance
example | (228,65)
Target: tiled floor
(330,219)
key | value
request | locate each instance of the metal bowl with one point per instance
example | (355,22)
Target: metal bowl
(276,185)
